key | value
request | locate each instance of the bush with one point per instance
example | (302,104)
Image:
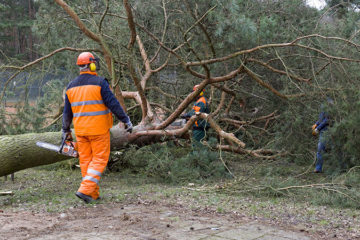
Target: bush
(169,163)
(344,136)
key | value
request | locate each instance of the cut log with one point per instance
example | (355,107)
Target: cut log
(18,152)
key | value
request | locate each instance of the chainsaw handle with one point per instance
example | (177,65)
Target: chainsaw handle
(63,139)
(65,136)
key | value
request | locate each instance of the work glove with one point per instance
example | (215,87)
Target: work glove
(315,132)
(66,136)
(128,127)
(313,127)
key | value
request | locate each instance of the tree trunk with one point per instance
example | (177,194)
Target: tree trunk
(19,152)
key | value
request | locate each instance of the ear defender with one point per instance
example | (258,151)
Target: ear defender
(92,67)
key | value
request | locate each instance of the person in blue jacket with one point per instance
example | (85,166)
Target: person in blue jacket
(319,128)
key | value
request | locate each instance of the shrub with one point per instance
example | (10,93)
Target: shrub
(344,136)
(167,162)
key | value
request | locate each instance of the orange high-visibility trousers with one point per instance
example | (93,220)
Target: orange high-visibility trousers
(94,152)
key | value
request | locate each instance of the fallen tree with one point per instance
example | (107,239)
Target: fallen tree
(20,151)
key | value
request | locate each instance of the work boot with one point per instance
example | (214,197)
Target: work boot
(85,198)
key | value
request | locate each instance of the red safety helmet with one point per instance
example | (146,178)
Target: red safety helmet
(85,58)
(196,86)
(201,93)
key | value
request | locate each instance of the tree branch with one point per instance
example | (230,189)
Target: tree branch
(277,70)
(131,24)
(268,86)
(30,64)
(280,45)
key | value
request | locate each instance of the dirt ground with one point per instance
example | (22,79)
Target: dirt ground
(139,221)
(152,212)
(43,206)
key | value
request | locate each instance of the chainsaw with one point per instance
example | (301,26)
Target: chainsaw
(66,148)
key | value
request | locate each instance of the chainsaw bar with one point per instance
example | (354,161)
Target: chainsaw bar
(48,146)
(67,150)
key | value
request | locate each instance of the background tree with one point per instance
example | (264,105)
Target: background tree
(16,37)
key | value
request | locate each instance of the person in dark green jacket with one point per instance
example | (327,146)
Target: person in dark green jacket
(200,126)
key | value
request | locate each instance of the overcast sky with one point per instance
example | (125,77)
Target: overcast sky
(319,4)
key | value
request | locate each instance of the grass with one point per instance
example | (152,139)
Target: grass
(255,192)
(41,186)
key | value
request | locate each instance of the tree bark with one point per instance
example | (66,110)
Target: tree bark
(19,152)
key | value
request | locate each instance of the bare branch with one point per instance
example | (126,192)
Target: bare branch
(259,153)
(268,86)
(223,78)
(172,51)
(277,70)
(146,62)
(164,31)
(162,66)
(97,38)
(161,92)
(138,83)
(78,21)
(183,105)
(144,105)
(52,122)
(227,110)
(36,61)
(30,64)
(202,27)
(248,122)
(228,136)
(103,15)
(179,132)
(280,45)
(199,20)
(207,70)
(221,104)
(224,88)
(131,23)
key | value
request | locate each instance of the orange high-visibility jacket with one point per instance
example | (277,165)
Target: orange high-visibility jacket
(89,103)
(200,105)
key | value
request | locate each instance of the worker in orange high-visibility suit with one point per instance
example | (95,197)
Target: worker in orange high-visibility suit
(200,126)
(89,104)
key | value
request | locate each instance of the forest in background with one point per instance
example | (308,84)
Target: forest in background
(267,67)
